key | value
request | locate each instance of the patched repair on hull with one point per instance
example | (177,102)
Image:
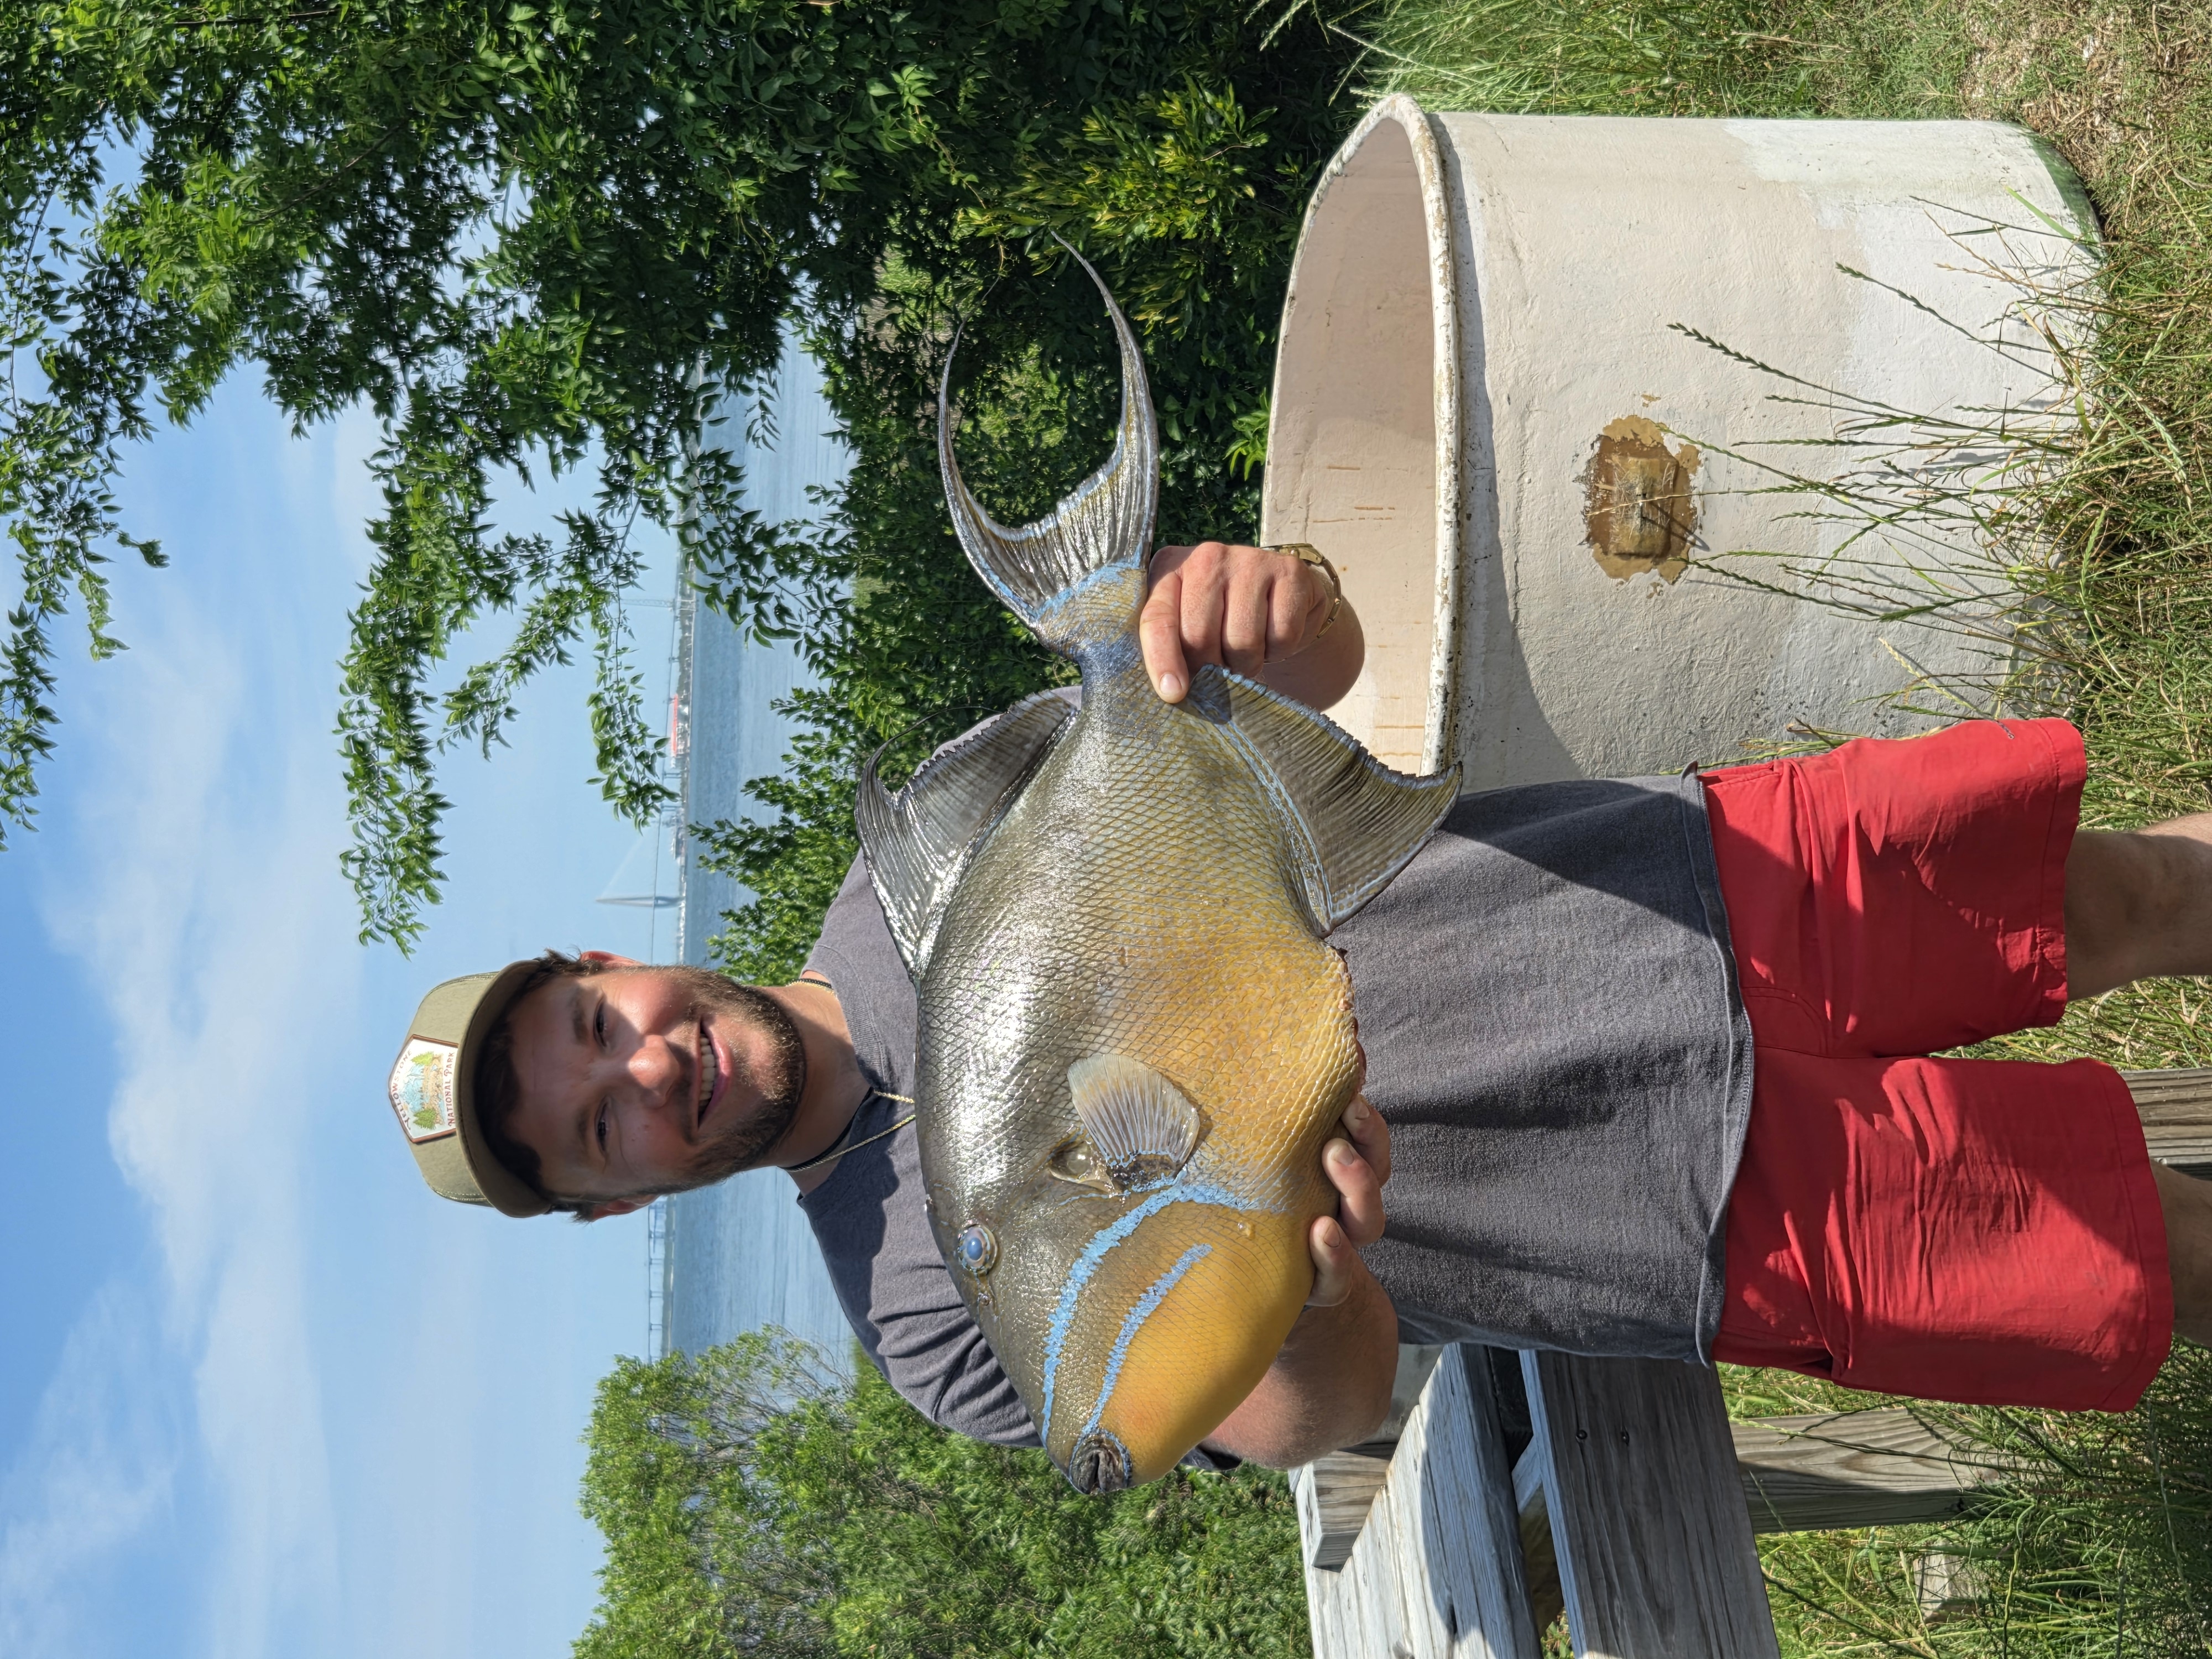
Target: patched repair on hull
(1134,1041)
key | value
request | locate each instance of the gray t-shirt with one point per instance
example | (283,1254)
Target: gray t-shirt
(1553,1032)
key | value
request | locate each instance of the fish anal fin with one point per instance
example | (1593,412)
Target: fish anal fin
(1142,1127)
(917,840)
(1357,822)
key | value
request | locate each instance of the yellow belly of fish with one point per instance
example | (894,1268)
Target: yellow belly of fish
(1182,1319)
(1200,1353)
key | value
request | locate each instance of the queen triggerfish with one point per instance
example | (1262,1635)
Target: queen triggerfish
(1134,1041)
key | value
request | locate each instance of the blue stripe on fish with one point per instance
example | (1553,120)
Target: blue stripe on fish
(1147,1305)
(1096,1252)
(1067,596)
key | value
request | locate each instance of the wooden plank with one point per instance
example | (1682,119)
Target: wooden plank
(1646,1507)
(1339,1487)
(1799,1474)
(1808,1473)
(1334,1495)
(1870,1469)
(1437,1572)
(1461,1511)
(1547,1601)
(2176,1109)
(1814,1472)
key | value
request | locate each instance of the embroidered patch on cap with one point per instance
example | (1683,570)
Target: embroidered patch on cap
(422,1089)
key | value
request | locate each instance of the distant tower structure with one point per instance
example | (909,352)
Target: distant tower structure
(739,1255)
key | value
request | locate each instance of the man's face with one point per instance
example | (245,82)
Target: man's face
(641,1080)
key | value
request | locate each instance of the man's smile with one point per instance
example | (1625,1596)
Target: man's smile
(713,1074)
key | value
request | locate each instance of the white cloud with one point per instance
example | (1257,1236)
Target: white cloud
(99,1467)
(368,1401)
(206,914)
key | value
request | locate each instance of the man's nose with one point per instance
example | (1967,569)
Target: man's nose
(654,1068)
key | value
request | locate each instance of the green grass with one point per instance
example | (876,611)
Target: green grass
(2103,1543)
(1561,57)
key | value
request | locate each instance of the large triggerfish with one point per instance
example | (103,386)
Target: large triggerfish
(1134,1042)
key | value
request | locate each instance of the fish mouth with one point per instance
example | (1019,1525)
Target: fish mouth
(1099,1465)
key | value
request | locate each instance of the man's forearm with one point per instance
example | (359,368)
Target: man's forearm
(1329,1387)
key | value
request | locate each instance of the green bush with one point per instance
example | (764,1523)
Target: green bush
(1189,202)
(753,1502)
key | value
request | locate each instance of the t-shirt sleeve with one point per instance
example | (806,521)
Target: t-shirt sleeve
(946,1370)
(901,1300)
(868,1217)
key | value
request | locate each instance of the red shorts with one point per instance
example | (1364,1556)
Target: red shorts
(1985,1231)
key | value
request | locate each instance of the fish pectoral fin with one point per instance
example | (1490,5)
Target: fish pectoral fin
(1141,1124)
(917,840)
(1359,822)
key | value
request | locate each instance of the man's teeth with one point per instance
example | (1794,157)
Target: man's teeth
(710,1073)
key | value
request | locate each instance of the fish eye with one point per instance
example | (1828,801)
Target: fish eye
(977,1249)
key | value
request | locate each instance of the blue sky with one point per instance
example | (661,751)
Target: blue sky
(262,1394)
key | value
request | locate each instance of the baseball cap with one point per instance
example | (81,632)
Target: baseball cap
(433,1090)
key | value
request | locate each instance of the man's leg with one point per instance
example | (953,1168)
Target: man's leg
(2138,905)
(1974,1230)
(1969,1229)
(2186,1203)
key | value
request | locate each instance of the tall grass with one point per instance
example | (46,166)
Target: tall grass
(2098,515)
(1560,57)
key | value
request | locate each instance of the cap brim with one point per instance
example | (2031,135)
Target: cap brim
(503,1190)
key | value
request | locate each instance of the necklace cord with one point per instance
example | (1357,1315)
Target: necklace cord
(840,1148)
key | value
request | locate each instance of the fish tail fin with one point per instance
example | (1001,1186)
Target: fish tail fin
(1046,571)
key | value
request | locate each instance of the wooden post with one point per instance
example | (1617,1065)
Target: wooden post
(1336,1493)
(1340,1487)
(2176,1109)
(1436,1573)
(1825,1471)
(1648,1519)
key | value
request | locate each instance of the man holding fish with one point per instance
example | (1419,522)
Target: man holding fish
(1073,1095)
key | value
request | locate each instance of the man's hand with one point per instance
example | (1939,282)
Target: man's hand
(1330,1386)
(1357,1163)
(1255,613)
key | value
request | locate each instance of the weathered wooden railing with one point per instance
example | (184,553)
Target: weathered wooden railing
(1509,1487)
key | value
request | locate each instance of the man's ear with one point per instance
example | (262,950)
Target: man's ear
(609,959)
(613,1207)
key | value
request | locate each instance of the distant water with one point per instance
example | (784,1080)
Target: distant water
(740,1255)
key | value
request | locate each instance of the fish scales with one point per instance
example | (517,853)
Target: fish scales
(1133,1039)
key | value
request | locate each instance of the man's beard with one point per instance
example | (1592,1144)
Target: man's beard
(742,1012)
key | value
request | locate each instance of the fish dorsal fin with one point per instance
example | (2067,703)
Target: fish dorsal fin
(918,840)
(1141,1124)
(1107,521)
(1358,821)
